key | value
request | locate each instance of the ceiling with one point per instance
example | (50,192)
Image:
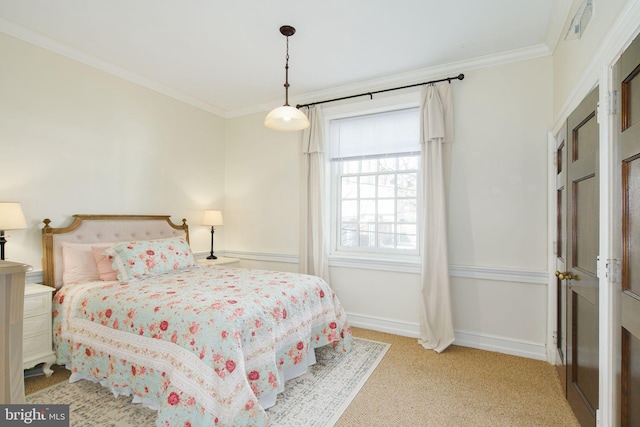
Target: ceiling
(228,56)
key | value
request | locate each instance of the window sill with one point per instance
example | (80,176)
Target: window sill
(390,263)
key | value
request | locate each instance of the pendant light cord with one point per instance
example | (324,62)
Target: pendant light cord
(286,77)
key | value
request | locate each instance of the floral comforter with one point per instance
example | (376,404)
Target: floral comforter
(203,343)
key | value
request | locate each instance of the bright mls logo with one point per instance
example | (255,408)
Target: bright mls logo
(34,415)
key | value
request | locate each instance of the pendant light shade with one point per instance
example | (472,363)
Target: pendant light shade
(286,117)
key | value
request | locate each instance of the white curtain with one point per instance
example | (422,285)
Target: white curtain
(314,253)
(436,134)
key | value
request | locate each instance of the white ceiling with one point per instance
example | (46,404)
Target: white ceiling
(228,56)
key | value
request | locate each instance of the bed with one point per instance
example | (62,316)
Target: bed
(204,345)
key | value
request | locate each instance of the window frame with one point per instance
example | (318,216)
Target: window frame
(334,197)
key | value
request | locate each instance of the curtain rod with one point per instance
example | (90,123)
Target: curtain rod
(370,94)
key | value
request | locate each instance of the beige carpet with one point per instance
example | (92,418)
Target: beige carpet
(460,387)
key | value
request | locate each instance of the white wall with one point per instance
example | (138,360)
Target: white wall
(498,181)
(497,222)
(74,139)
(262,194)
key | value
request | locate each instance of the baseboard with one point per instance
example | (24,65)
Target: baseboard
(500,344)
(389,326)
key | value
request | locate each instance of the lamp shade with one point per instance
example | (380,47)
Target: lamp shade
(11,216)
(286,118)
(212,218)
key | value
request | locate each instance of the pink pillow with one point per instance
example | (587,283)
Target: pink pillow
(78,263)
(103,263)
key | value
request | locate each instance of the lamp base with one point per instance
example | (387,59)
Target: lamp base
(212,256)
(2,242)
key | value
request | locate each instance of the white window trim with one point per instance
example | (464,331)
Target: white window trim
(402,261)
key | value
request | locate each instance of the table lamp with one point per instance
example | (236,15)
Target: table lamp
(212,218)
(11,218)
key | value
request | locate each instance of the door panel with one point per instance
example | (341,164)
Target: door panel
(631,175)
(628,69)
(582,255)
(585,253)
(585,344)
(585,138)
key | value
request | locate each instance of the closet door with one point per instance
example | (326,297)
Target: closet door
(629,138)
(582,255)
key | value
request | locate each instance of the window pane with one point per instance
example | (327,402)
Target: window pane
(407,184)
(386,236)
(388,164)
(367,211)
(367,186)
(407,210)
(407,236)
(408,163)
(386,210)
(351,166)
(349,211)
(350,187)
(386,185)
(367,235)
(349,235)
(369,165)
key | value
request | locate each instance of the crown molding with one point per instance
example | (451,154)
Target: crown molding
(408,78)
(47,43)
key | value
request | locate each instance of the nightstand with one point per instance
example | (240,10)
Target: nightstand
(37,340)
(227,262)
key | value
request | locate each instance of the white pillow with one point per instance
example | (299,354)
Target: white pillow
(79,264)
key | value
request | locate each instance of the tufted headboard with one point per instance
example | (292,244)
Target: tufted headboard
(101,229)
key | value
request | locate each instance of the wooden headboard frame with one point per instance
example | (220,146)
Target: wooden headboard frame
(101,229)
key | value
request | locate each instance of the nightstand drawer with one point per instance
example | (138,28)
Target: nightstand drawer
(36,344)
(36,324)
(37,304)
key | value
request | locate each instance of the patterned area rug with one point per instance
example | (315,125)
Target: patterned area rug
(315,399)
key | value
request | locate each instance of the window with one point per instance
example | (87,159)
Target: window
(376,167)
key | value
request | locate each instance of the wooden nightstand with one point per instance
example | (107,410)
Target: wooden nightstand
(227,262)
(37,346)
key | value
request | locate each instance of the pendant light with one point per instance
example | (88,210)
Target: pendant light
(286,117)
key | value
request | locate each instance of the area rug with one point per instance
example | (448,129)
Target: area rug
(315,399)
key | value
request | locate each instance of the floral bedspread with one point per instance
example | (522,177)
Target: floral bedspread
(203,343)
